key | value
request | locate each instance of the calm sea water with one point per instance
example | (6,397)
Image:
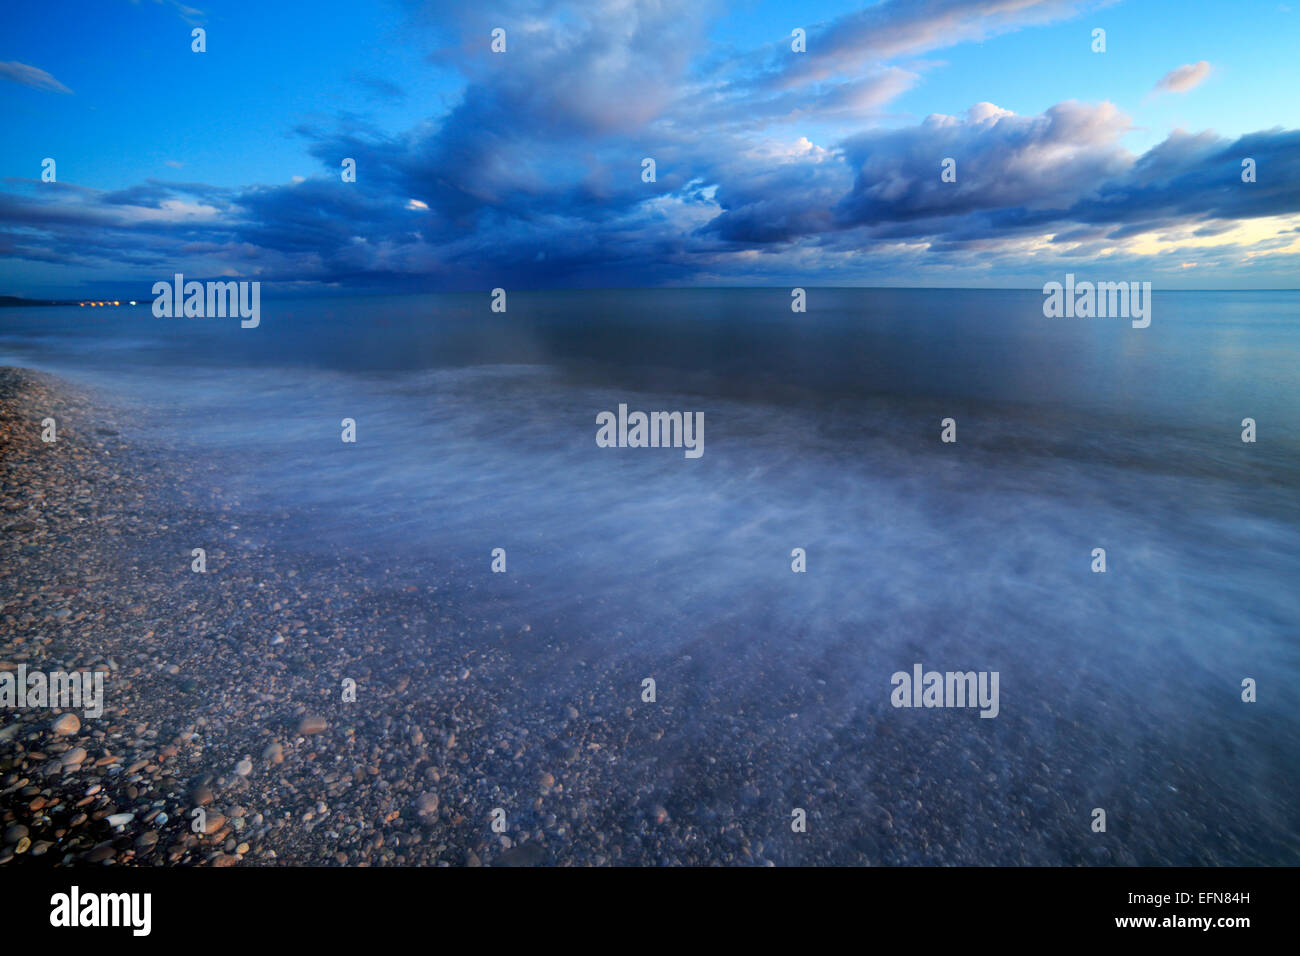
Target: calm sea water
(477,430)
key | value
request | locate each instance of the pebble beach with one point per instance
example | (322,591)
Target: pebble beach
(222,690)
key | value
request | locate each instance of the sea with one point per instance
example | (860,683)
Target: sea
(476,430)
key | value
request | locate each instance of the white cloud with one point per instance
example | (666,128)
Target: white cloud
(1184,78)
(31,76)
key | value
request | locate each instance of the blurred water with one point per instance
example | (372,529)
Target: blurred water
(477,430)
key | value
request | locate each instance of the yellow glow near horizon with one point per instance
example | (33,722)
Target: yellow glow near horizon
(1244,233)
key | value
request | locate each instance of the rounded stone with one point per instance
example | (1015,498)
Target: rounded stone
(66,724)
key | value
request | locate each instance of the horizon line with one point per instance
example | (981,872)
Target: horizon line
(141,300)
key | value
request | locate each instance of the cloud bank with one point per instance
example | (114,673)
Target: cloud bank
(534,176)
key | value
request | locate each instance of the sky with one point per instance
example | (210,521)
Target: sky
(524,169)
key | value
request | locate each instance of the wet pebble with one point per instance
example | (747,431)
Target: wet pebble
(66,724)
(312,725)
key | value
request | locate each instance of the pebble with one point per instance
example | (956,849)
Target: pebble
(427,804)
(66,724)
(312,725)
(101,853)
(528,854)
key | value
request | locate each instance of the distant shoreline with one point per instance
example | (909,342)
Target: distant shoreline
(15,301)
(18,302)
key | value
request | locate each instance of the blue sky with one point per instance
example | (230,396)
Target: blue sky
(523,169)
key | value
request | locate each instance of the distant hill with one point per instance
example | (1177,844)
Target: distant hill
(17,300)
(11,300)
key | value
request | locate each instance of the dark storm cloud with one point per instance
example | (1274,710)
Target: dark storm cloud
(153,193)
(1062,170)
(533,177)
